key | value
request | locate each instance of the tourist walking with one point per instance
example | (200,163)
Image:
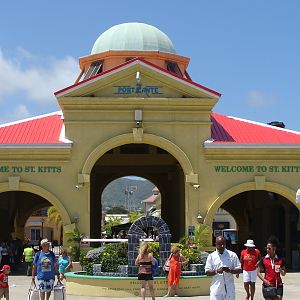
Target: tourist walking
(222,264)
(249,259)
(64,264)
(28,255)
(45,265)
(274,268)
(176,260)
(145,262)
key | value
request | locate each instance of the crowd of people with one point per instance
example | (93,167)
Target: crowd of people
(40,262)
(222,265)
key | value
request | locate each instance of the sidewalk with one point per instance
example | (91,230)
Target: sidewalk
(19,286)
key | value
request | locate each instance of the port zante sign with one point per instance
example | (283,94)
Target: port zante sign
(252,169)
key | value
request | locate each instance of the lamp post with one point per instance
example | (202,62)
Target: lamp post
(42,221)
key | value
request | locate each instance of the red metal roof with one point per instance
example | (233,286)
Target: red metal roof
(235,130)
(45,129)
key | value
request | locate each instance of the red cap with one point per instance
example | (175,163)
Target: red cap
(5,267)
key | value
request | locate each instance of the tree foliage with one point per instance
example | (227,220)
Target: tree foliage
(54,215)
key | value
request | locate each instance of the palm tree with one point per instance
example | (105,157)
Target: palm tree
(54,215)
(202,235)
(133,216)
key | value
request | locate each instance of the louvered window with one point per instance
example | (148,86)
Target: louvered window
(95,68)
(173,67)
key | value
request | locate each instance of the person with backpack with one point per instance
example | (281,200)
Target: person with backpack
(45,267)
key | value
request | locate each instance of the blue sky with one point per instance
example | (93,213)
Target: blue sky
(249,51)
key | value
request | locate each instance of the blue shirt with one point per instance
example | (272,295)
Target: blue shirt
(45,265)
(63,263)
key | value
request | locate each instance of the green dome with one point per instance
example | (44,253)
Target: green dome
(133,37)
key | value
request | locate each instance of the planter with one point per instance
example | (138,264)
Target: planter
(127,287)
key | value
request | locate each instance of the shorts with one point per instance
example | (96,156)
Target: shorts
(46,286)
(4,292)
(250,276)
(145,277)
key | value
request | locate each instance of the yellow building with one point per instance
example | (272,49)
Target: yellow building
(134,110)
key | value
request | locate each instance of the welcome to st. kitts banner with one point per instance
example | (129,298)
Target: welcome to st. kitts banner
(253,169)
(30,169)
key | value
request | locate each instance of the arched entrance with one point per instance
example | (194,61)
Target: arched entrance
(147,161)
(17,206)
(262,213)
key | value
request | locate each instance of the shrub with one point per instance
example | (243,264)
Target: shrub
(109,256)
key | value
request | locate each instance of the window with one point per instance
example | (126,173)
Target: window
(95,68)
(35,234)
(173,67)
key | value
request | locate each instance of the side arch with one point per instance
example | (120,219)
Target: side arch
(32,188)
(282,190)
(127,138)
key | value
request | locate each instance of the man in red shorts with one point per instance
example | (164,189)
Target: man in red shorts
(249,261)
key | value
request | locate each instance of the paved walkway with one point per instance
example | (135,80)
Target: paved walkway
(19,288)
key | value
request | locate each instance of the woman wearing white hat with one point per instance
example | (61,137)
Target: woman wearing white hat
(250,258)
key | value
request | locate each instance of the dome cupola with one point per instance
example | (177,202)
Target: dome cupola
(133,37)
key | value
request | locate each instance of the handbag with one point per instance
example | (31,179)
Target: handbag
(166,266)
(33,293)
(269,291)
(59,291)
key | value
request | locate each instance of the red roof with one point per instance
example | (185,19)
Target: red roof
(235,130)
(45,129)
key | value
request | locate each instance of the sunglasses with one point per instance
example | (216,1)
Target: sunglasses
(268,248)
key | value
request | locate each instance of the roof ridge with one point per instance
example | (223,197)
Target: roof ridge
(259,124)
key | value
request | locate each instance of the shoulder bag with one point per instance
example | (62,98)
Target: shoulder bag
(269,291)
(166,266)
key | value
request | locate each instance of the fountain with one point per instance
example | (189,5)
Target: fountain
(124,283)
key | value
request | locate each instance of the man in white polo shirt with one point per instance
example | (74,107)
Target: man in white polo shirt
(222,264)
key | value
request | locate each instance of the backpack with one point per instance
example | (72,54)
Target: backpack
(155,267)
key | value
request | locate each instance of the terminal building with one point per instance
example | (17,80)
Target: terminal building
(135,110)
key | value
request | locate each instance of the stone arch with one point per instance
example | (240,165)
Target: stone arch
(32,188)
(136,231)
(150,139)
(282,190)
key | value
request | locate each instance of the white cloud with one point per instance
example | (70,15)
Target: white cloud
(19,112)
(260,99)
(37,78)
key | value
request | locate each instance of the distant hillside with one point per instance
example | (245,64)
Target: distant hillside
(126,192)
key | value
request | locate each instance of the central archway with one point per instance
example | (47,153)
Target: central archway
(149,162)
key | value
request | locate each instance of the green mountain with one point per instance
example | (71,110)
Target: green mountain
(126,192)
